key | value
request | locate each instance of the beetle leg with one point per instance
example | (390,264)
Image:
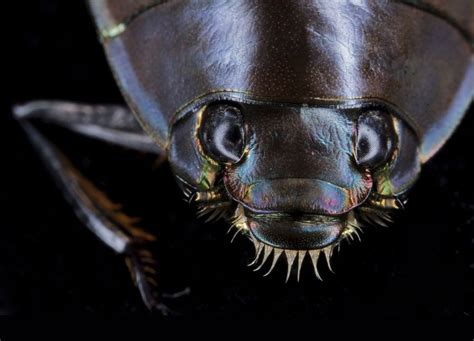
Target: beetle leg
(103,217)
(141,264)
(111,123)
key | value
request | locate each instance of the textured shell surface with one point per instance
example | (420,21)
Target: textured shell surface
(167,55)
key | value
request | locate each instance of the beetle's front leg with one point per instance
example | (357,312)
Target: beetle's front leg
(103,217)
(114,124)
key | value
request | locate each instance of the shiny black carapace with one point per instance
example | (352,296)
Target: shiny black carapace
(298,121)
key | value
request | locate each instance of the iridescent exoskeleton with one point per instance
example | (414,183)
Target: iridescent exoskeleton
(299,121)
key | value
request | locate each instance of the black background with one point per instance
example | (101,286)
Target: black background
(420,268)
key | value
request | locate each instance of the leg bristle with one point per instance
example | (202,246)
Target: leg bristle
(400,203)
(357,234)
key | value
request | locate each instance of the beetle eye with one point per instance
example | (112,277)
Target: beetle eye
(222,132)
(375,139)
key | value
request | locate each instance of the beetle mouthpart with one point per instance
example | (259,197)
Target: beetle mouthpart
(240,220)
(353,228)
(296,232)
(263,252)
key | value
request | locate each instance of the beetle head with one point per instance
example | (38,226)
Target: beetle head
(296,178)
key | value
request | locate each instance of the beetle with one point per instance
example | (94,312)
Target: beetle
(298,121)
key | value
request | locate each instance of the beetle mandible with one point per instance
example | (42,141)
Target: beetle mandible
(299,121)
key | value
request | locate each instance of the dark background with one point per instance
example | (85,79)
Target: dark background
(420,268)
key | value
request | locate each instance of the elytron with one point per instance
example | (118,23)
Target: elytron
(297,121)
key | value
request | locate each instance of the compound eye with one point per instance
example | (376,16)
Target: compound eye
(222,132)
(375,139)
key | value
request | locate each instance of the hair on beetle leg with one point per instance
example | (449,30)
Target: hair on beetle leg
(188,191)
(386,203)
(209,196)
(378,209)
(375,216)
(214,211)
(213,202)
